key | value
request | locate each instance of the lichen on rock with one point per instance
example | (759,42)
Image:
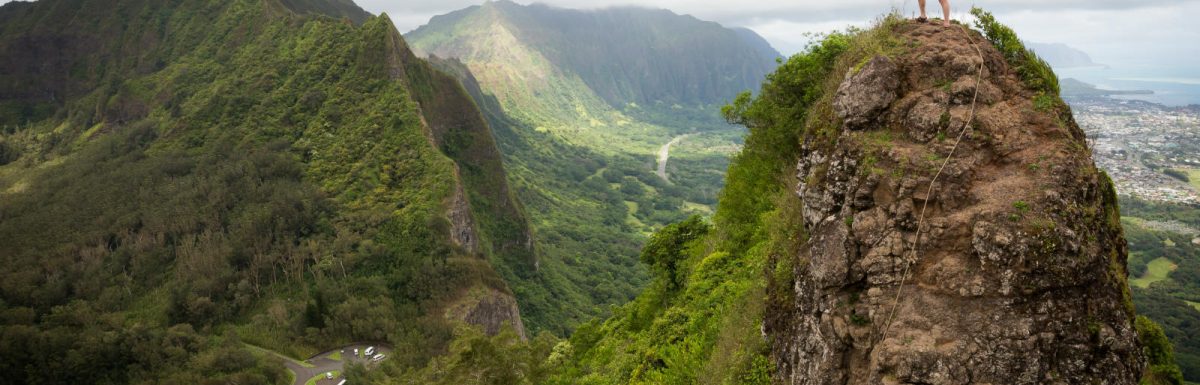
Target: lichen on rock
(1015,275)
(866,92)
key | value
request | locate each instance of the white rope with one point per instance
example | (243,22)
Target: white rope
(929,192)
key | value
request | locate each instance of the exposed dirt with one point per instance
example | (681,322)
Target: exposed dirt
(1019,277)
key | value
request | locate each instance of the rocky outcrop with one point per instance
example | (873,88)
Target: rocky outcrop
(489,309)
(486,216)
(462,225)
(1019,276)
(866,92)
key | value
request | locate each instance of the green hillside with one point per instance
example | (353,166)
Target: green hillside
(624,54)
(581,103)
(1172,260)
(183,177)
(719,287)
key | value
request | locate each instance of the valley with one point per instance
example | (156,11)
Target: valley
(197,192)
(581,112)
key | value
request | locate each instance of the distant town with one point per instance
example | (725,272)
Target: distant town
(1151,151)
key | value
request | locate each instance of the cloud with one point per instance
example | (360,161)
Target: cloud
(1113,31)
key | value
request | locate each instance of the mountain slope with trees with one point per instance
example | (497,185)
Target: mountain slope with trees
(794,279)
(581,102)
(184,177)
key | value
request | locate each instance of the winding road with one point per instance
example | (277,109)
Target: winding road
(664,154)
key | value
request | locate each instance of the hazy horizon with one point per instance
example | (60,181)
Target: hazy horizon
(1113,32)
(1141,35)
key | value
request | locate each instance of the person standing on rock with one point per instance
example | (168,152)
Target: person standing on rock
(945,11)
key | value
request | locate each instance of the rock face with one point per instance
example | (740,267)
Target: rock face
(866,92)
(1020,273)
(489,309)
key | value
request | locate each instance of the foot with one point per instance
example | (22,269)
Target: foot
(946,23)
(922,19)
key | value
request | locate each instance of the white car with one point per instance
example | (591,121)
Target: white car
(328,375)
(370,351)
(378,357)
(355,352)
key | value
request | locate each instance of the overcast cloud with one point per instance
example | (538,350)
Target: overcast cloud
(1129,32)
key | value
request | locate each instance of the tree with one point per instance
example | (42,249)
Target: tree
(665,249)
(1160,354)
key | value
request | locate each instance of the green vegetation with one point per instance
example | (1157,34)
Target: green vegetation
(698,321)
(321,376)
(475,358)
(260,176)
(1194,177)
(253,175)
(1177,174)
(1036,73)
(580,133)
(1160,355)
(1156,270)
(1168,298)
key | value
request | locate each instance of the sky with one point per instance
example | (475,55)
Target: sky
(1124,33)
(1131,33)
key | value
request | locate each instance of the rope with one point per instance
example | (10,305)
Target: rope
(929,192)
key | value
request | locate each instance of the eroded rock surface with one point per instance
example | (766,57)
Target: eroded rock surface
(489,309)
(867,92)
(1020,273)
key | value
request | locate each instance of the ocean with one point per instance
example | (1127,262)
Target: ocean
(1171,86)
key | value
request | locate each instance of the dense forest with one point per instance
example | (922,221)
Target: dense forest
(581,102)
(259,174)
(196,192)
(699,318)
(1166,264)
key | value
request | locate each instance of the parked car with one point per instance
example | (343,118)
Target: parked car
(355,352)
(370,351)
(378,357)
(328,375)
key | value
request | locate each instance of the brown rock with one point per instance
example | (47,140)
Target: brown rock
(1018,277)
(866,93)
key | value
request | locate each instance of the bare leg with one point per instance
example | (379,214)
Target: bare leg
(945,11)
(922,4)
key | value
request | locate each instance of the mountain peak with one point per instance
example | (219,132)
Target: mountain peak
(958,229)
(626,55)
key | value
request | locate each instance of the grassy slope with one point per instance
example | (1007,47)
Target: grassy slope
(223,166)
(688,334)
(577,159)
(1156,270)
(700,320)
(1172,300)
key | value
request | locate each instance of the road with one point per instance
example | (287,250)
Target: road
(326,362)
(664,154)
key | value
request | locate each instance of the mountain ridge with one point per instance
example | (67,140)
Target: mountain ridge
(238,172)
(1020,275)
(569,32)
(586,87)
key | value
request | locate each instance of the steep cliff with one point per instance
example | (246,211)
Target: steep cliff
(957,230)
(581,101)
(174,171)
(913,205)
(622,54)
